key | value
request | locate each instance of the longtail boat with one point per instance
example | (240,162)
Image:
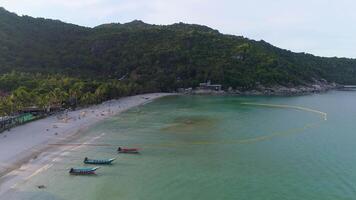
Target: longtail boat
(127,150)
(98,162)
(83,171)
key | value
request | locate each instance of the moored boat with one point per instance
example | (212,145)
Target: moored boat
(127,150)
(83,170)
(98,162)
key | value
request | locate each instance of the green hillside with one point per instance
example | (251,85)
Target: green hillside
(153,57)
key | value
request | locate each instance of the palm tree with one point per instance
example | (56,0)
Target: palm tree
(57,96)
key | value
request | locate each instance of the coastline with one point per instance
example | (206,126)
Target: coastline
(26,143)
(316,87)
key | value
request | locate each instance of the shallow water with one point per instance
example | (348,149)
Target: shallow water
(199,147)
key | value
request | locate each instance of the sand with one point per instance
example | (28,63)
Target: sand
(24,150)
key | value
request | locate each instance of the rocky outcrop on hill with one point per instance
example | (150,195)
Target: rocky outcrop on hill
(317,86)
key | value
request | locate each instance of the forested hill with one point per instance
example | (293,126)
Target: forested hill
(160,58)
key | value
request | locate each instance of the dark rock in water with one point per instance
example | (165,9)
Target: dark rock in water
(41,186)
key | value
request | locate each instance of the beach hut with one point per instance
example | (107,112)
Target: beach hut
(34,110)
(4,123)
(8,122)
(209,86)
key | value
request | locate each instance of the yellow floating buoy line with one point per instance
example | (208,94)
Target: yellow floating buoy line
(323,114)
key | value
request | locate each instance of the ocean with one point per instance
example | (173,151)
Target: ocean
(214,147)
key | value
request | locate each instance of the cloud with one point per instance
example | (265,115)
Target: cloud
(49,3)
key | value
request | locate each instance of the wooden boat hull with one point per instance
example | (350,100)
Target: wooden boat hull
(126,150)
(133,152)
(83,171)
(99,162)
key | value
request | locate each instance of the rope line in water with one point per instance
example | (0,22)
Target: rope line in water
(323,114)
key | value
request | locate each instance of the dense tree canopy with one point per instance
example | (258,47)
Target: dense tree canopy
(164,57)
(26,89)
(68,61)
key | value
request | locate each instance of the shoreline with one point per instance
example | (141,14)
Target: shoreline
(26,143)
(277,90)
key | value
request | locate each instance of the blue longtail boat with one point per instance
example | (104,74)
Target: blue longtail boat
(98,162)
(83,170)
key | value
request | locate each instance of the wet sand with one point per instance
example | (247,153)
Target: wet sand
(25,150)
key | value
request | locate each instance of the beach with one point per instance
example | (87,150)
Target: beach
(28,149)
(205,147)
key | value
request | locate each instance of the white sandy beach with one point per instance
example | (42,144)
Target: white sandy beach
(28,143)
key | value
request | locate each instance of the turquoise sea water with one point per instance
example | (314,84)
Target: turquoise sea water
(200,147)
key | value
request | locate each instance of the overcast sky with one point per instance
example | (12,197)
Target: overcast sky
(320,27)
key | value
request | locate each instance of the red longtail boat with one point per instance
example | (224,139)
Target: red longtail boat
(128,150)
